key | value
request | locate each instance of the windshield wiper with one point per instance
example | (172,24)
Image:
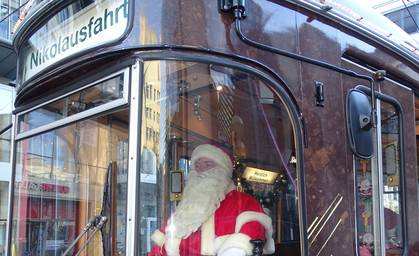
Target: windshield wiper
(98,222)
(106,206)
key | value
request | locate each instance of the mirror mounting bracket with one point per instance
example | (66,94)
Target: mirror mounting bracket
(232,5)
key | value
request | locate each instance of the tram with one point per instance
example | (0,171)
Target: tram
(313,100)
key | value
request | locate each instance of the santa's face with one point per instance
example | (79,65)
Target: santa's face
(204,164)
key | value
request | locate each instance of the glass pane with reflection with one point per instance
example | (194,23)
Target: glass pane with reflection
(186,104)
(66,177)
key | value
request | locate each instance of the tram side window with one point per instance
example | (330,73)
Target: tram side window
(68,175)
(372,193)
(233,110)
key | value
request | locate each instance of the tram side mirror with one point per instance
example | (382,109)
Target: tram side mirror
(176,185)
(358,126)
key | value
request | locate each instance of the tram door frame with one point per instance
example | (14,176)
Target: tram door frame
(379,172)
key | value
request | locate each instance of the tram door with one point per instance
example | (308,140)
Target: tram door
(381,214)
(380,182)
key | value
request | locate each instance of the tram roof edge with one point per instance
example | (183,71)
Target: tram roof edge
(34,16)
(367,22)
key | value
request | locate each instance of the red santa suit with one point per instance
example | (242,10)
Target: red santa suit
(238,220)
(213,218)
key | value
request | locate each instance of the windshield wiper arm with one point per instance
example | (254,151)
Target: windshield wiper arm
(98,222)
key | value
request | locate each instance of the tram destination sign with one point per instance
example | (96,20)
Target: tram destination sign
(69,32)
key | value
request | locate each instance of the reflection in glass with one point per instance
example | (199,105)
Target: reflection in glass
(186,104)
(84,100)
(391,171)
(60,183)
(370,198)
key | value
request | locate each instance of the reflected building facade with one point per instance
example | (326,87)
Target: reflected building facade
(9,16)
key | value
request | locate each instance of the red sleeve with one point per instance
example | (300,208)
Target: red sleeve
(156,251)
(254,230)
(235,204)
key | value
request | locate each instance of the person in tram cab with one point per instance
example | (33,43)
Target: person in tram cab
(213,218)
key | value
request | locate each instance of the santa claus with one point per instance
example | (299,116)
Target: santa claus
(212,217)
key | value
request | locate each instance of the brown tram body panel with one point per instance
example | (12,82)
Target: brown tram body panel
(200,27)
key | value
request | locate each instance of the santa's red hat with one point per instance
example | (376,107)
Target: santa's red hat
(215,153)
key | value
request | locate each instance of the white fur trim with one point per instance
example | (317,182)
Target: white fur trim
(207,237)
(233,252)
(264,220)
(214,153)
(158,238)
(202,196)
(172,246)
(219,241)
(241,241)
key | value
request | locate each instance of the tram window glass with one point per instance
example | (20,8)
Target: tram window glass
(372,193)
(76,103)
(60,182)
(203,103)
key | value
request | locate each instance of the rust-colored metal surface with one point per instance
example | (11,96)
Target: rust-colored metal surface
(199,26)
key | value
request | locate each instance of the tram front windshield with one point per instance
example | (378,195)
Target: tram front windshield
(68,175)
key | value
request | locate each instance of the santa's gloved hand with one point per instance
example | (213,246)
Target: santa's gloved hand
(233,252)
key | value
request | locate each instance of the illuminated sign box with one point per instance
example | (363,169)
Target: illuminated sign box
(259,175)
(72,31)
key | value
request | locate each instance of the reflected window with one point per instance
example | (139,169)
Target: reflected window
(94,97)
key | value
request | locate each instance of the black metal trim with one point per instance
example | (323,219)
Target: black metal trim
(232,5)
(238,18)
(6,128)
(137,209)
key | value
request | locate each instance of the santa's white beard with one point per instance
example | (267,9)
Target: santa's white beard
(201,198)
